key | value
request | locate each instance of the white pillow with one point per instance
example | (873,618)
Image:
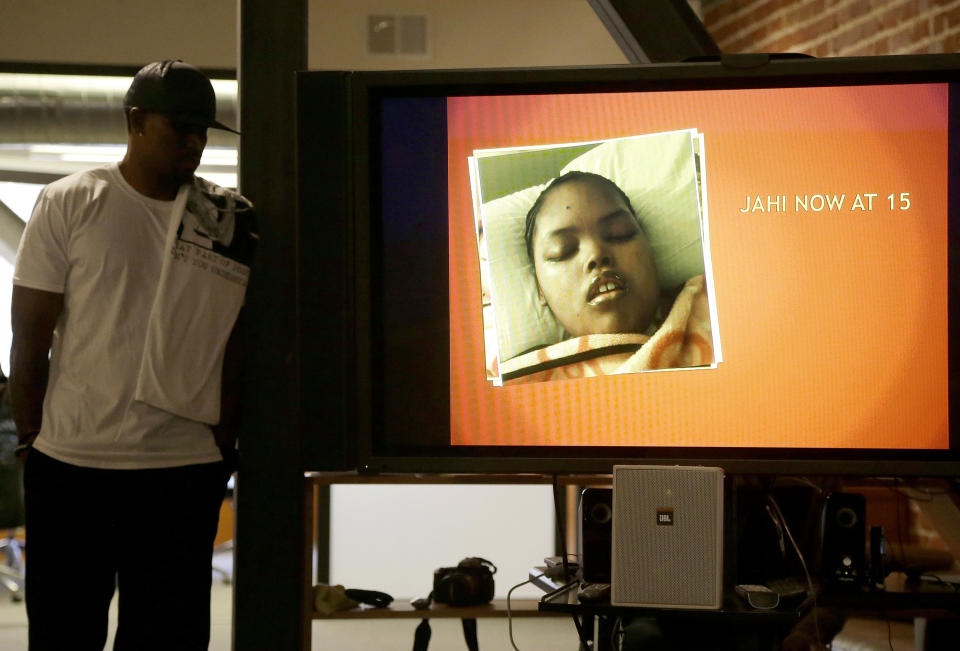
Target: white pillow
(658,174)
(522,322)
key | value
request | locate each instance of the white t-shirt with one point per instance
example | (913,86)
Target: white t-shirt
(100,243)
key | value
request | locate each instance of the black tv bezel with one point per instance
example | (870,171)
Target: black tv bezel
(361,93)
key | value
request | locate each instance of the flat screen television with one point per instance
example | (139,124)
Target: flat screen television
(749,263)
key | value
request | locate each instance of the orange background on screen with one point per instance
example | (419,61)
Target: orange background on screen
(833,324)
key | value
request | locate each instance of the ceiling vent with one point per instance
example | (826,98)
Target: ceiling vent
(397,35)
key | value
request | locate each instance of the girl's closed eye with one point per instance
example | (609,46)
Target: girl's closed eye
(560,249)
(621,229)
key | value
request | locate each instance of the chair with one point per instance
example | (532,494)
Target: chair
(11,512)
(225,547)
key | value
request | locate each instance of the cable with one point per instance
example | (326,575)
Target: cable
(896,509)
(806,481)
(576,622)
(561,534)
(510,614)
(803,564)
(940,579)
(566,587)
(616,633)
(781,538)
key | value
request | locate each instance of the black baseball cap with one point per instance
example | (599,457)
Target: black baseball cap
(178,90)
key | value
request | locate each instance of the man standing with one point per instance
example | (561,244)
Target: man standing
(127,291)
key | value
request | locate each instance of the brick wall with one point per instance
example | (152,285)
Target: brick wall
(826,28)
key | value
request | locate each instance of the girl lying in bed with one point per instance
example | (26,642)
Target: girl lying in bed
(596,273)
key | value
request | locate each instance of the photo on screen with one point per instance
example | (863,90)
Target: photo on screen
(593,258)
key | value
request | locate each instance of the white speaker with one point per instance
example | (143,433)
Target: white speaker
(667,537)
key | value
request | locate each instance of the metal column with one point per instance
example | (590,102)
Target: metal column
(269,564)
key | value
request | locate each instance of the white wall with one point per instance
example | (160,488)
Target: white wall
(131,32)
(464,33)
(392,538)
(18,197)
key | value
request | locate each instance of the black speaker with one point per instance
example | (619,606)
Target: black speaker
(595,534)
(843,555)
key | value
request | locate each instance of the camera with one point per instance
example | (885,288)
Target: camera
(470,583)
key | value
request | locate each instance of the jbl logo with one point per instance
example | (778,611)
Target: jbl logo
(665,517)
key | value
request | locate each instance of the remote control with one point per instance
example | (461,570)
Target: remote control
(758,596)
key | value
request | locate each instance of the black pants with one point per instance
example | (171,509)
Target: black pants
(149,533)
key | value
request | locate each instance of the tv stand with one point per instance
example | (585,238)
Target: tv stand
(900,595)
(315,539)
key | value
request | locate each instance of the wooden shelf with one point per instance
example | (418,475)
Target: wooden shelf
(402,610)
(327,478)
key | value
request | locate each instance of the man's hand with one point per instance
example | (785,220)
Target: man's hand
(230,392)
(34,316)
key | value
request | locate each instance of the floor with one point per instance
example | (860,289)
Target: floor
(381,635)
(13,617)
(529,634)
